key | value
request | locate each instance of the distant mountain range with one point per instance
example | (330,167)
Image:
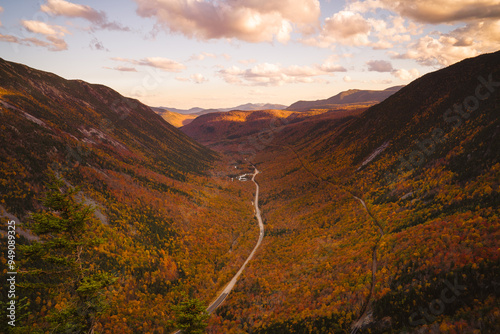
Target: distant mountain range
(247,106)
(351,96)
(350,99)
(212,124)
(181,117)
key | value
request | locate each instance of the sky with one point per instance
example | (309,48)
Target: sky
(222,53)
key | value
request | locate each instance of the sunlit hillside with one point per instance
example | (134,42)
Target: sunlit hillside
(174,118)
(164,207)
(426,242)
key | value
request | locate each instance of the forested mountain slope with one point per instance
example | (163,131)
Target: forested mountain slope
(175,118)
(422,256)
(383,220)
(164,212)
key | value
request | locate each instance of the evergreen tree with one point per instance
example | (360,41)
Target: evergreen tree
(60,263)
(190,316)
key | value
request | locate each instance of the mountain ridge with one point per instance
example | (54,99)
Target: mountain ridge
(93,106)
(348,97)
(244,107)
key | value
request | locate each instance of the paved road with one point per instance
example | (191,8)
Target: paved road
(227,290)
(233,281)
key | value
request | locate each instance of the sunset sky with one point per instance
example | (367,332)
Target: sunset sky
(209,53)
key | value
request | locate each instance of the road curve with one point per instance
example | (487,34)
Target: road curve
(229,287)
(232,283)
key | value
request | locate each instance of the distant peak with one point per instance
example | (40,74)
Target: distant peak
(351,96)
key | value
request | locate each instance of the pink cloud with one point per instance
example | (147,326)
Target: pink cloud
(53,44)
(122,69)
(344,27)
(249,20)
(164,64)
(98,19)
(43,28)
(445,11)
(406,75)
(198,78)
(266,74)
(379,66)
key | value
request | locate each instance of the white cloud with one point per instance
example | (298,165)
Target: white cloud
(330,65)
(56,44)
(232,75)
(65,8)
(202,55)
(479,33)
(164,64)
(52,44)
(53,34)
(44,28)
(392,31)
(122,69)
(445,11)
(379,66)
(365,6)
(9,39)
(198,78)
(405,74)
(347,78)
(98,19)
(482,35)
(439,52)
(247,20)
(445,49)
(302,71)
(349,27)
(266,74)
(431,11)
(345,27)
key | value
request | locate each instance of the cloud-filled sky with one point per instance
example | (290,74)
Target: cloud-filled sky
(221,53)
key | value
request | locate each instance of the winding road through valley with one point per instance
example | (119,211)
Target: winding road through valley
(222,296)
(229,287)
